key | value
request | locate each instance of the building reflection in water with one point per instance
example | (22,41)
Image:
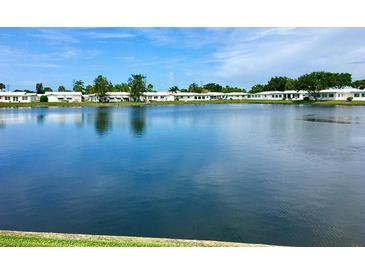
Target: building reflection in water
(102,119)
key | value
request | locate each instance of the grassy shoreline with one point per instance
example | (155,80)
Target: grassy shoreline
(243,101)
(44,239)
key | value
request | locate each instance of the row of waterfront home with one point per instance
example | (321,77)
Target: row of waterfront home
(329,94)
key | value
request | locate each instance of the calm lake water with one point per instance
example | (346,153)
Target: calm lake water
(275,174)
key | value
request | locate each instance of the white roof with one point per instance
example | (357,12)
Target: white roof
(209,93)
(12,93)
(66,93)
(159,93)
(281,92)
(343,90)
(116,93)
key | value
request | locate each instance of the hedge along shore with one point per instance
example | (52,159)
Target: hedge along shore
(243,101)
(10,238)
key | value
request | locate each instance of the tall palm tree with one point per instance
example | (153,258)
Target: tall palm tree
(2,86)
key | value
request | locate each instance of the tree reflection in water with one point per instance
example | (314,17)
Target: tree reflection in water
(102,121)
(138,120)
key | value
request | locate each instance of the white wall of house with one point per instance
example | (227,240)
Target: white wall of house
(158,96)
(359,95)
(63,96)
(118,96)
(17,97)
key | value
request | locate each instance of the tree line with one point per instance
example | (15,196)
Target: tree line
(210,87)
(311,82)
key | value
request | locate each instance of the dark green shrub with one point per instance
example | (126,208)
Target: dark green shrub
(349,99)
(43,99)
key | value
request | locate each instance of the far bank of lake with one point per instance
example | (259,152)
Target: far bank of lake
(244,101)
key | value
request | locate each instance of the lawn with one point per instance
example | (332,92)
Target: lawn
(42,239)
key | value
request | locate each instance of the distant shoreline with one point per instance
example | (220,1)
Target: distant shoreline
(241,101)
(44,239)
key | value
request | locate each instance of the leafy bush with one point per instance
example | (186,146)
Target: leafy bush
(349,99)
(43,99)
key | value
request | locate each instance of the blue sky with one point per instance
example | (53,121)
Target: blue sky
(175,56)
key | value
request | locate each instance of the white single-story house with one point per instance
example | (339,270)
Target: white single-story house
(328,94)
(18,97)
(118,96)
(278,95)
(190,96)
(341,94)
(158,96)
(63,96)
(110,97)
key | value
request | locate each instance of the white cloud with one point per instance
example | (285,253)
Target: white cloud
(109,35)
(290,52)
(55,36)
(39,65)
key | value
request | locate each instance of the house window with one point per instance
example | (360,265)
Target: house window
(357,95)
(25,98)
(362,94)
(15,99)
(331,95)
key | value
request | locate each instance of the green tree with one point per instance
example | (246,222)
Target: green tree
(339,80)
(174,89)
(257,88)
(360,84)
(137,85)
(89,89)
(39,88)
(43,99)
(276,83)
(150,88)
(314,82)
(291,84)
(2,86)
(47,89)
(228,89)
(61,89)
(102,86)
(213,87)
(194,87)
(78,86)
(123,87)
